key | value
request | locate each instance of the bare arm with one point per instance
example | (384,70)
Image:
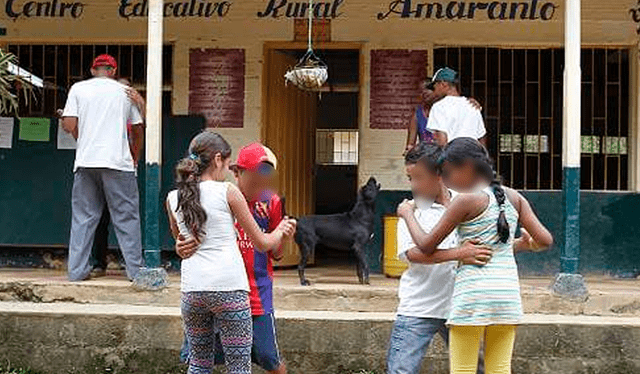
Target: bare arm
(483,141)
(137,140)
(241,211)
(463,208)
(412,134)
(535,236)
(70,125)
(441,138)
(469,252)
(173,225)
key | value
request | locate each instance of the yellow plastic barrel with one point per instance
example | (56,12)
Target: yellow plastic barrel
(392,266)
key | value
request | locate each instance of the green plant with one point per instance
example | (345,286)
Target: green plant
(10,84)
(8,369)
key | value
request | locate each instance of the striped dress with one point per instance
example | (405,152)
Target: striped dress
(490,294)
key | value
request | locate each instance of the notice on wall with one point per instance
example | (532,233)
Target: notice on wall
(65,140)
(6,132)
(395,86)
(34,129)
(216,86)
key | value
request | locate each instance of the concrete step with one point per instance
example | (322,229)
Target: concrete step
(99,338)
(331,290)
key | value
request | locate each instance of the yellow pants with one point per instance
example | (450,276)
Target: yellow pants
(464,342)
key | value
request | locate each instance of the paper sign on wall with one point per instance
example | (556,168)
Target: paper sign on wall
(6,132)
(34,129)
(65,140)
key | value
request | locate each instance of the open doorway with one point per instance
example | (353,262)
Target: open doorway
(316,139)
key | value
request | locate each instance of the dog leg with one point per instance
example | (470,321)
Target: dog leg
(363,266)
(305,250)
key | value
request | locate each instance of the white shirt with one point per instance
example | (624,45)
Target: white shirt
(426,290)
(455,116)
(103,110)
(217,265)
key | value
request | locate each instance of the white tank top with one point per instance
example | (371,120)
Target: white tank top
(217,265)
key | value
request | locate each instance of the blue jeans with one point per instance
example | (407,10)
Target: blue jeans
(410,339)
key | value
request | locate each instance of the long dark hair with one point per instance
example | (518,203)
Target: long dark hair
(461,150)
(202,151)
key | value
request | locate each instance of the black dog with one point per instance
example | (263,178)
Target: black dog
(344,231)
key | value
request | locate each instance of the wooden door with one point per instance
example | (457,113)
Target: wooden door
(289,130)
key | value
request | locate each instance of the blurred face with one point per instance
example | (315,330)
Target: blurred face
(252,183)
(440,89)
(424,182)
(428,96)
(460,177)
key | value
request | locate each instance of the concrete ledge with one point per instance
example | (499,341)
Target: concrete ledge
(329,292)
(76,338)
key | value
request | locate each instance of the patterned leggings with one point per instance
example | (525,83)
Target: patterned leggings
(228,313)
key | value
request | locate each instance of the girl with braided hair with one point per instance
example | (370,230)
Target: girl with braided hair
(214,284)
(486,299)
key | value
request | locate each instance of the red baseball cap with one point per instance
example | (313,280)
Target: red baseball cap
(253,157)
(104,60)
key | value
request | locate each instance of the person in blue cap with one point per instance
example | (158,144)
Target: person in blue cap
(453,116)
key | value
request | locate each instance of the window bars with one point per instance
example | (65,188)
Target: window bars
(521,92)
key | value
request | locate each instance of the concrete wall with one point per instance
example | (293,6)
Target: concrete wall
(88,339)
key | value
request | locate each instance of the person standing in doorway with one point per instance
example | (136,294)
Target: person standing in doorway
(136,140)
(96,114)
(453,116)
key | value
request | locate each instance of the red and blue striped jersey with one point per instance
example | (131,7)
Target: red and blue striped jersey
(267,211)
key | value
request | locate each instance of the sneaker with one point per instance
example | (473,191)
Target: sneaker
(98,272)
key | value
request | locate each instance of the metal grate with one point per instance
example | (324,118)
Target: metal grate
(60,66)
(521,91)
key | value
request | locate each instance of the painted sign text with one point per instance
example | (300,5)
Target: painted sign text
(496,10)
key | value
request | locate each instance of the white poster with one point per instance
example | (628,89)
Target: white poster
(65,140)
(6,132)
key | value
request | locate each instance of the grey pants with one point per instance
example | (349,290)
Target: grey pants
(92,188)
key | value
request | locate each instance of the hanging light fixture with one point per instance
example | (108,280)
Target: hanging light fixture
(310,73)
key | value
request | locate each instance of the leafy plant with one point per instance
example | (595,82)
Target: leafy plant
(11,84)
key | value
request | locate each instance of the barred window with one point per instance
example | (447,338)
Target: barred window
(521,91)
(60,66)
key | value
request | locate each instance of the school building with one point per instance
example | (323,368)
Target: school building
(224,66)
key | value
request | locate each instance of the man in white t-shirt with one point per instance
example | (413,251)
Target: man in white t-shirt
(426,287)
(96,114)
(453,116)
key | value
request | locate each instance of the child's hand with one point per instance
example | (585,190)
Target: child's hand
(406,208)
(185,248)
(473,253)
(475,103)
(287,226)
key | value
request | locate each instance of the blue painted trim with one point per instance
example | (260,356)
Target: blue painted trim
(570,254)
(152,215)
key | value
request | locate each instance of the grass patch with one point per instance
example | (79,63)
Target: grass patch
(8,369)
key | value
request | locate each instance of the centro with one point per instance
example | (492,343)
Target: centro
(52,8)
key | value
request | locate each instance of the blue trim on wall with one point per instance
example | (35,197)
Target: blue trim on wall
(152,216)
(569,258)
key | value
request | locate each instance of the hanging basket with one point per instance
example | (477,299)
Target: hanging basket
(309,74)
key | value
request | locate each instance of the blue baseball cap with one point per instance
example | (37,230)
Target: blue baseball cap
(443,75)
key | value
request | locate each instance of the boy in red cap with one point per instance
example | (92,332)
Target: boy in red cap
(254,171)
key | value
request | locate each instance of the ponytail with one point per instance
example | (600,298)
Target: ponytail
(463,149)
(503,225)
(203,149)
